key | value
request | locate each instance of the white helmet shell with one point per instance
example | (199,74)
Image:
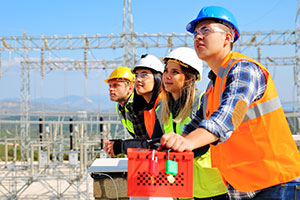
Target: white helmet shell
(151,62)
(187,56)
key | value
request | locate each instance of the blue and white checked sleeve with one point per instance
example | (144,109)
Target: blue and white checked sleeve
(245,81)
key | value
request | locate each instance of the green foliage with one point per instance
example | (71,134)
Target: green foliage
(10,152)
(121,155)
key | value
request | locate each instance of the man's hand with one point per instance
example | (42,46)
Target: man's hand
(109,148)
(197,138)
(175,142)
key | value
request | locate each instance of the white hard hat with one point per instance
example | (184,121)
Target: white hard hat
(151,62)
(187,56)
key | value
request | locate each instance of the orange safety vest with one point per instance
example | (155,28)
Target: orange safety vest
(261,152)
(149,117)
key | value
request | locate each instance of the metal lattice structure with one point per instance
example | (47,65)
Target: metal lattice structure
(127,42)
(297,53)
(128,39)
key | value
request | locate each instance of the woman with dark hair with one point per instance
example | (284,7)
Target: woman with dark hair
(148,72)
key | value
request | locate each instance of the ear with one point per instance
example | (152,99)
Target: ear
(130,88)
(228,39)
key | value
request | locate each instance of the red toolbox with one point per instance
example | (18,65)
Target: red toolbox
(146,176)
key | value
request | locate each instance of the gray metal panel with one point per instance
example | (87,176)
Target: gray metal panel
(109,165)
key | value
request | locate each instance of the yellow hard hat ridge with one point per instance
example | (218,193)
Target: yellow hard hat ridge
(121,73)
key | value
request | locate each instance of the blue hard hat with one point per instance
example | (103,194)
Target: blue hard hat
(215,13)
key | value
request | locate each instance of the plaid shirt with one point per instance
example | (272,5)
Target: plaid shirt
(245,81)
(137,119)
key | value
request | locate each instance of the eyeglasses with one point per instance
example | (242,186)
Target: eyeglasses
(143,75)
(206,30)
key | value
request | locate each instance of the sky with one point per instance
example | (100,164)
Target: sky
(91,17)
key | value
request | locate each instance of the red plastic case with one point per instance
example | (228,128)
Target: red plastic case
(142,183)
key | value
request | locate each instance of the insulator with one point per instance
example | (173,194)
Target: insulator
(71,125)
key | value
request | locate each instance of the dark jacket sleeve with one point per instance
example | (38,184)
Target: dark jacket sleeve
(121,146)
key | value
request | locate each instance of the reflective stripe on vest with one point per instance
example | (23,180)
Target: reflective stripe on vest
(262,150)
(125,121)
(262,109)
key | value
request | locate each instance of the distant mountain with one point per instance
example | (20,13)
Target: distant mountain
(9,105)
(69,103)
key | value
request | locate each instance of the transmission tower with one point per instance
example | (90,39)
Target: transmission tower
(25,103)
(129,54)
(297,52)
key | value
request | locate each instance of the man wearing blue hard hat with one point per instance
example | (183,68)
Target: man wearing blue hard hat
(240,116)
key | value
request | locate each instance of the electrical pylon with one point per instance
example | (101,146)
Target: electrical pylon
(297,55)
(129,54)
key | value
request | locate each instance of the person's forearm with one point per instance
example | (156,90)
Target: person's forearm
(133,143)
(200,137)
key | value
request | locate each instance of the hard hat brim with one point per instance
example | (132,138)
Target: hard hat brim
(191,26)
(116,78)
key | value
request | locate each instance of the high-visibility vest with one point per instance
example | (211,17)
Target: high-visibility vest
(207,180)
(178,127)
(126,119)
(261,152)
(150,116)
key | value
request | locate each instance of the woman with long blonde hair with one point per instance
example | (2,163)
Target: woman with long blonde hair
(180,103)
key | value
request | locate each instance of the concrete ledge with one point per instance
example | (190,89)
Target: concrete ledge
(104,188)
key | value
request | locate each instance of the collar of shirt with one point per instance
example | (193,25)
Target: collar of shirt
(122,108)
(211,75)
